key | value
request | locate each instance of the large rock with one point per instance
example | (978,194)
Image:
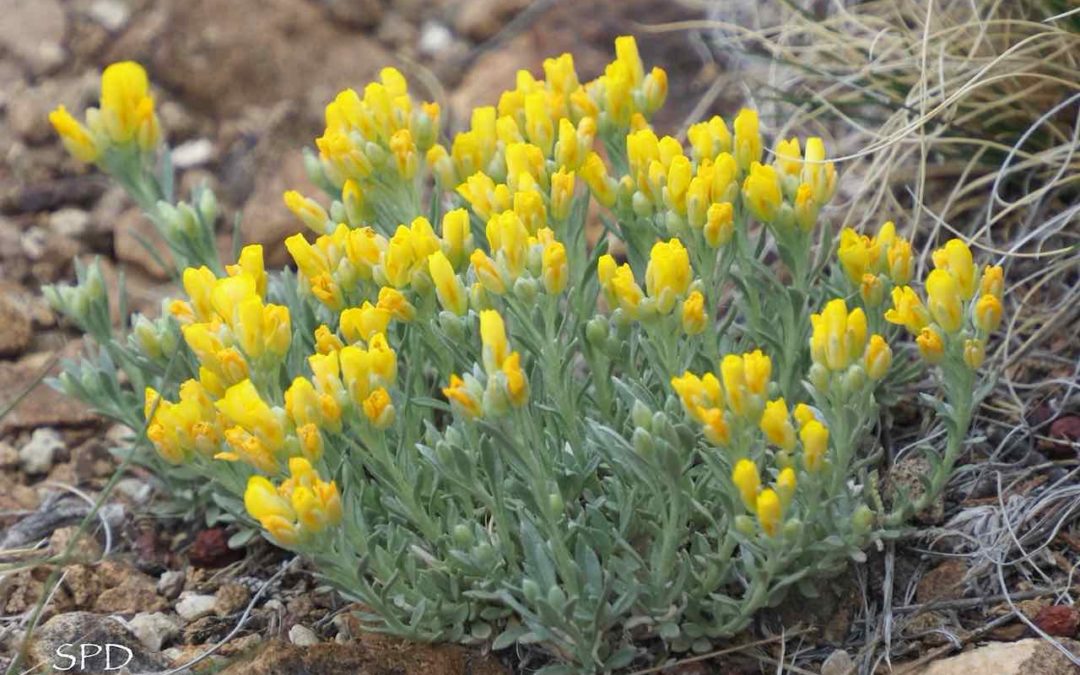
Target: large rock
(1026,657)
(372,655)
(137,242)
(248,55)
(63,638)
(42,406)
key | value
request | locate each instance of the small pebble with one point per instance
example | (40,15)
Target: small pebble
(302,636)
(36,457)
(193,606)
(171,583)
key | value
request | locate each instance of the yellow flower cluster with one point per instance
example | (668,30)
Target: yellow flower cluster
(125,117)
(372,137)
(962,308)
(768,504)
(299,508)
(874,264)
(507,384)
(736,398)
(668,280)
(839,340)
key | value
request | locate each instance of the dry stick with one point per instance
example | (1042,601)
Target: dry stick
(721,652)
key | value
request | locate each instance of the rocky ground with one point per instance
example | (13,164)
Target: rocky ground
(241,85)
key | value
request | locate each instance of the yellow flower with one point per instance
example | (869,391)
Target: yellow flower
(274,512)
(562,194)
(746,379)
(716,427)
(509,241)
(553,267)
(806,208)
(517,385)
(404,151)
(854,254)
(326,341)
(709,138)
(878,357)
(618,282)
(900,261)
(694,319)
(529,208)
(761,190)
(697,393)
(127,109)
(992,281)
(955,258)
(243,407)
(360,323)
(785,486)
(747,146)
(487,273)
(788,157)
(747,480)
(496,348)
(930,344)
(776,425)
(678,182)
(987,313)
(668,274)
(838,337)
(457,239)
(250,263)
(871,290)
(317,503)
(379,409)
(719,224)
(465,396)
(769,511)
(943,293)
(974,352)
(308,211)
(395,302)
(448,286)
(595,175)
(815,441)
(302,403)
(311,442)
(803,414)
(75,136)
(907,310)
(819,174)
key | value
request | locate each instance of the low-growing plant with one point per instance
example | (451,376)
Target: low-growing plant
(482,428)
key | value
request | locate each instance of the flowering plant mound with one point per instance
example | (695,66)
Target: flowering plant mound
(483,428)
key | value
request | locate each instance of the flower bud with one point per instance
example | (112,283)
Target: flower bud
(930,344)
(819,377)
(556,505)
(643,442)
(862,520)
(974,353)
(463,535)
(641,415)
(596,331)
(744,524)
(878,357)
(854,380)
(987,313)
